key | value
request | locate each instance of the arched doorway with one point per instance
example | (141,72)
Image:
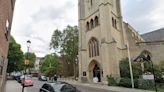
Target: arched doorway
(144,58)
(95,70)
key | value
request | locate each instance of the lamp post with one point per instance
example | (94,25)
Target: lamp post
(130,66)
(28,48)
(26,61)
(76,63)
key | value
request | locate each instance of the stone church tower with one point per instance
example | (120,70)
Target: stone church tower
(101,39)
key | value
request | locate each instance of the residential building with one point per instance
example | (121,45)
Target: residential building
(6,16)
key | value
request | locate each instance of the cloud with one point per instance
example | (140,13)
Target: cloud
(143,15)
(35,20)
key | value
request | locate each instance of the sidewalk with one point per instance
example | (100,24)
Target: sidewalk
(112,88)
(13,86)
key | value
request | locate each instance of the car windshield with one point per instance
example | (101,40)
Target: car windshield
(27,78)
(43,77)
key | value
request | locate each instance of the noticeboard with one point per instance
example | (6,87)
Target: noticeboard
(148,77)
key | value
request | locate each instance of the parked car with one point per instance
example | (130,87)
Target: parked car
(26,81)
(17,78)
(16,75)
(42,78)
(21,78)
(58,87)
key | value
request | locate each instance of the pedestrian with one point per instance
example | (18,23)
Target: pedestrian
(55,77)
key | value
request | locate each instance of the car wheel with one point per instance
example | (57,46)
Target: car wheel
(41,91)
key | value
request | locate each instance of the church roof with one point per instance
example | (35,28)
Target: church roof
(156,35)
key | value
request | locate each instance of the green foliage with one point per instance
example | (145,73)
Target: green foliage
(15,56)
(125,82)
(157,71)
(50,65)
(124,68)
(56,40)
(31,57)
(125,71)
(66,42)
(161,65)
(145,84)
(111,81)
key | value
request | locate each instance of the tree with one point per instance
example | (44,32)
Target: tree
(32,58)
(137,70)
(125,71)
(50,65)
(66,42)
(15,56)
(56,40)
(157,70)
(161,65)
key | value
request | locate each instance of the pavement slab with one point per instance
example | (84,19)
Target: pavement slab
(13,86)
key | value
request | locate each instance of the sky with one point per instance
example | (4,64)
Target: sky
(35,20)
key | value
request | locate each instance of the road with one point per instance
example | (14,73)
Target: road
(38,84)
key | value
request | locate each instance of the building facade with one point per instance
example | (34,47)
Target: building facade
(6,15)
(104,40)
(101,39)
(37,64)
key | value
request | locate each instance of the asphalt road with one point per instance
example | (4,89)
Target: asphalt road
(38,84)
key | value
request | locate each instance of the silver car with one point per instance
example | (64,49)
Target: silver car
(58,87)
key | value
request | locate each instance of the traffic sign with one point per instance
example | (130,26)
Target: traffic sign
(26,62)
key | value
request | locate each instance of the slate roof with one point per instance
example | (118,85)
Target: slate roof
(156,35)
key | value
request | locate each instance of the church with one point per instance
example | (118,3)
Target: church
(105,39)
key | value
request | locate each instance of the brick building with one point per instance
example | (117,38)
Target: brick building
(6,15)
(67,69)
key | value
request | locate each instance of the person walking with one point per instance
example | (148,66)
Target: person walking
(55,77)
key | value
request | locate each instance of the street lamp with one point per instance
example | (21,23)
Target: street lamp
(26,61)
(28,47)
(76,63)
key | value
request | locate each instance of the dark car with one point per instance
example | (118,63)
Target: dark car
(17,78)
(42,78)
(58,87)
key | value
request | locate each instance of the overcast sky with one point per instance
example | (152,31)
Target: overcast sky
(36,20)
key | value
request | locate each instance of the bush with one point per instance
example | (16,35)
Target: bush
(145,84)
(111,81)
(135,83)
(157,71)
(125,71)
(126,82)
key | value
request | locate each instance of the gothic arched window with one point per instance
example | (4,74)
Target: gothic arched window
(93,48)
(92,23)
(115,23)
(112,21)
(87,25)
(96,21)
(91,2)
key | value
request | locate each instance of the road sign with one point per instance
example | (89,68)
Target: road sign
(26,62)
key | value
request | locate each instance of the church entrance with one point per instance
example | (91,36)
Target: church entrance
(94,71)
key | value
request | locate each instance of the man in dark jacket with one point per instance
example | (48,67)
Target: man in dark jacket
(55,77)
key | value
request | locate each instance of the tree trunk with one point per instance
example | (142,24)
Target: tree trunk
(74,70)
